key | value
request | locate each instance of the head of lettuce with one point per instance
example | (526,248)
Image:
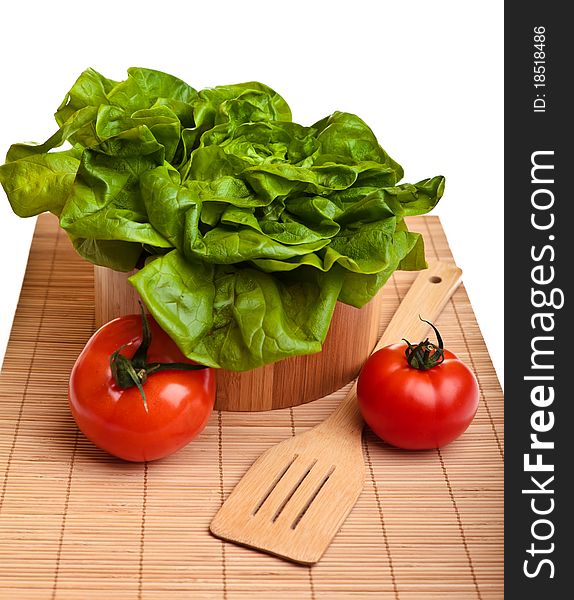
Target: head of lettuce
(246,227)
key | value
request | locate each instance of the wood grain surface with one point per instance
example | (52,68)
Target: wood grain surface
(76,523)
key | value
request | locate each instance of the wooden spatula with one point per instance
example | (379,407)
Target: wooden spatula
(296,496)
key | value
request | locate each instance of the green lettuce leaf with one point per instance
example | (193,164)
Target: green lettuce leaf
(222,315)
(39,182)
(246,227)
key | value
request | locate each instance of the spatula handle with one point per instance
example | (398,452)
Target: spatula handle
(426,297)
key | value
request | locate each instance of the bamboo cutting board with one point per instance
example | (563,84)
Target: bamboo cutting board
(76,523)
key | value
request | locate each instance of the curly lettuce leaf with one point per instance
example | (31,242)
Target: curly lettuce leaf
(250,227)
(105,202)
(39,182)
(223,315)
(90,90)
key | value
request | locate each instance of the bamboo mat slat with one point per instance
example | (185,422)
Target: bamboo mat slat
(78,524)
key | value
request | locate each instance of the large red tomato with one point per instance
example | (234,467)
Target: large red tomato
(175,404)
(413,406)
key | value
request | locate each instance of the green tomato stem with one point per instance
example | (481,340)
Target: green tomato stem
(425,355)
(132,372)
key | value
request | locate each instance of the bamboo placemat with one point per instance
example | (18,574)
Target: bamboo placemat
(76,523)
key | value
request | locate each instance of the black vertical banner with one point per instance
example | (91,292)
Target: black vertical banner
(539,336)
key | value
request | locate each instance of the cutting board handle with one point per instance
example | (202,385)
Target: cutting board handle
(426,297)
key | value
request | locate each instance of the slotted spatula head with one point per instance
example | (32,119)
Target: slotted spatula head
(295,497)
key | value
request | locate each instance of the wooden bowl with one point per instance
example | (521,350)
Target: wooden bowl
(290,382)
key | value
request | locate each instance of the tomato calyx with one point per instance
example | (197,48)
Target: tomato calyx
(132,372)
(425,355)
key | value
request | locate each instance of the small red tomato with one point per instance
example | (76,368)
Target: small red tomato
(107,402)
(417,397)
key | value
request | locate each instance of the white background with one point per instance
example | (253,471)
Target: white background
(426,76)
